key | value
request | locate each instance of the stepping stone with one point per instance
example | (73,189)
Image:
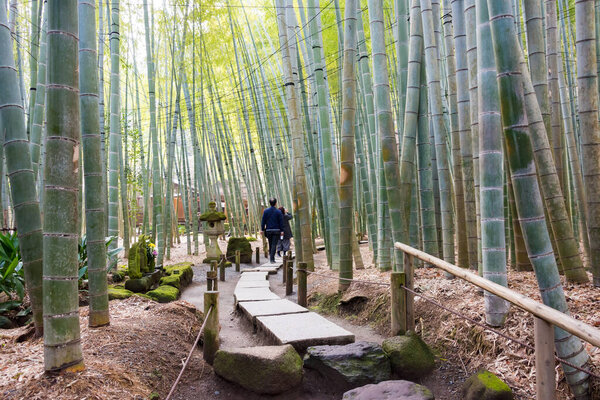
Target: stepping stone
(253,309)
(269,270)
(253,284)
(303,330)
(254,276)
(276,264)
(253,294)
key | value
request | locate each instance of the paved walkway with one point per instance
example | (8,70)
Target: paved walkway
(280,320)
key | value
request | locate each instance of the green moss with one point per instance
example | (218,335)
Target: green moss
(164,294)
(410,356)
(243,245)
(154,396)
(118,292)
(144,295)
(326,303)
(178,275)
(492,382)
(251,238)
(212,216)
(172,280)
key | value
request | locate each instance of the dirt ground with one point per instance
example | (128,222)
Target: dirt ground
(142,351)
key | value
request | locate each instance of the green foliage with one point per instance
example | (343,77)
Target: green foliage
(83,257)
(12,278)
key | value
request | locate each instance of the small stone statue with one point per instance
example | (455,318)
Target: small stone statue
(213,227)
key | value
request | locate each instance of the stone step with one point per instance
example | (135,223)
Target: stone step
(254,276)
(269,270)
(302,330)
(253,309)
(253,294)
(253,284)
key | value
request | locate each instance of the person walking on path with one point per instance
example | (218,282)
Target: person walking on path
(272,226)
(284,244)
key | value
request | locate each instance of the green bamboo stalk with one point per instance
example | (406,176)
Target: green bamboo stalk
(34,53)
(527,192)
(491,167)
(588,120)
(62,345)
(90,134)
(37,120)
(439,130)
(18,168)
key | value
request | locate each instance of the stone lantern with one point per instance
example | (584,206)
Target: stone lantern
(213,227)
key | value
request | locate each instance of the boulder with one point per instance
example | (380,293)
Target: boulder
(118,293)
(164,294)
(351,365)
(410,356)
(262,369)
(243,245)
(119,273)
(390,390)
(178,275)
(486,386)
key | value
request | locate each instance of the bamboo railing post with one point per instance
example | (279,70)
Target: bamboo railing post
(222,268)
(211,329)
(237,261)
(265,246)
(209,282)
(409,268)
(398,302)
(301,284)
(284,274)
(213,265)
(258,255)
(289,271)
(544,359)
(212,276)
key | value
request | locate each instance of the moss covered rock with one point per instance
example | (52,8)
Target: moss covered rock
(144,283)
(350,365)
(486,386)
(263,369)
(178,275)
(119,274)
(243,245)
(118,292)
(390,390)
(164,294)
(410,356)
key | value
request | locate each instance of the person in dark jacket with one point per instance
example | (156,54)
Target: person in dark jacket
(284,244)
(272,226)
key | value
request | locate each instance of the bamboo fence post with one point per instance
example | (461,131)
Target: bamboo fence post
(211,329)
(301,284)
(544,359)
(222,268)
(265,246)
(398,299)
(212,276)
(213,265)
(409,268)
(289,271)
(237,261)
(258,255)
(285,260)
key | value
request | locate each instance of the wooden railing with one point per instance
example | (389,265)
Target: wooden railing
(402,287)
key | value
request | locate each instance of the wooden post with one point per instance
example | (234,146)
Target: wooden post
(212,275)
(544,359)
(301,284)
(398,301)
(258,255)
(209,281)
(265,246)
(213,265)
(289,255)
(284,274)
(289,271)
(211,329)
(222,271)
(409,270)
(237,260)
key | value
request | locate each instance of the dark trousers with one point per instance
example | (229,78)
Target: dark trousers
(273,239)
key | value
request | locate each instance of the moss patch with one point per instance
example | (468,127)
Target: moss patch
(118,292)
(243,245)
(326,303)
(164,294)
(410,356)
(178,275)
(486,386)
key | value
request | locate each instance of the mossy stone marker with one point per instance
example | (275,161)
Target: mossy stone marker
(213,228)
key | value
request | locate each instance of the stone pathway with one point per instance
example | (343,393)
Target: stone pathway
(281,320)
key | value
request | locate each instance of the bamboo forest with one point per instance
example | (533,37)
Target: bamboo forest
(300,199)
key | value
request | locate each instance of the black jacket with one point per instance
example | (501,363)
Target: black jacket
(287,231)
(272,220)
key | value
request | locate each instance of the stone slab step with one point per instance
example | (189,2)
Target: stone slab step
(253,284)
(269,270)
(302,330)
(253,294)
(276,264)
(253,309)
(254,276)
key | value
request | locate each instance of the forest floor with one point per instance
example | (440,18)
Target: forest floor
(142,351)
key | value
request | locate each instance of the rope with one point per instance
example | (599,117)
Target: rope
(190,354)
(497,332)
(345,279)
